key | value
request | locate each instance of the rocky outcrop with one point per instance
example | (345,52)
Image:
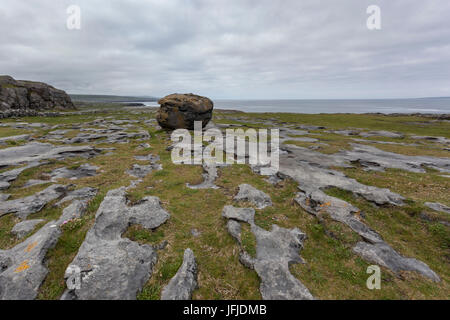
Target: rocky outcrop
(182,110)
(112,267)
(275,251)
(22,268)
(36,151)
(23,228)
(184,282)
(17,94)
(85,170)
(254,196)
(438,207)
(23,207)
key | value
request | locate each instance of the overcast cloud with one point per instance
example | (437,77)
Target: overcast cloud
(231,48)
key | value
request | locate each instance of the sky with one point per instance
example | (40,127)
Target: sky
(231,49)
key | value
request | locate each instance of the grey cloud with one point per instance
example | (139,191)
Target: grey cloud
(231,48)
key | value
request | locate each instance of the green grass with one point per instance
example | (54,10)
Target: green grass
(332,270)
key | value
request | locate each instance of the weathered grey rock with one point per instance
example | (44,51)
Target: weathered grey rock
(144,146)
(438,207)
(311,171)
(19,94)
(85,170)
(32,204)
(239,214)
(35,151)
(209,177)
(22,268)
(74,211)
(383,255)
(140,171)
(275,251)
(246,259)
(234,229)
(113,267)
(4,197)
(182,110)
(385,142)
(34,182)
(382,133)
(254,196)
(376,159)
(85,194)
(15,138)
(432,139)
(346,132)
(184,282)
(8,176)
(107,136)
(21,229)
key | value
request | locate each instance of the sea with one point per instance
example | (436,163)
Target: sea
(421,105)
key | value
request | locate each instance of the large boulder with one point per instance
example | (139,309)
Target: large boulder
(29,95)
(180,111)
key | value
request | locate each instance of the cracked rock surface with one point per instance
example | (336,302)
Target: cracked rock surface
(21,229)
(275,251)
(438,207)
(85,170)
(23,207)
(36,151)
(184,282)
(253,195)
(113,267)
(313,177)
(22,268)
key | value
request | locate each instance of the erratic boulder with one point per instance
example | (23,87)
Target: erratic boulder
(180,111)
(30,95)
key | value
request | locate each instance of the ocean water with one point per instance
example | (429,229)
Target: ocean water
(423,105)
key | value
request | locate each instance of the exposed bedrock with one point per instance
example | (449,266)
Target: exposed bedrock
(438,207)
(107,136)
(22,268)
(36,151)
(370,158)
(275,251)
(113,267)
(19,94)
(184,282)
(382,254)
(376,159)
(23,207)
(209,177)
(85,170)
(8,176)
(83,194)
(253,195)
(21,229)
(141,171)
(314,179)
